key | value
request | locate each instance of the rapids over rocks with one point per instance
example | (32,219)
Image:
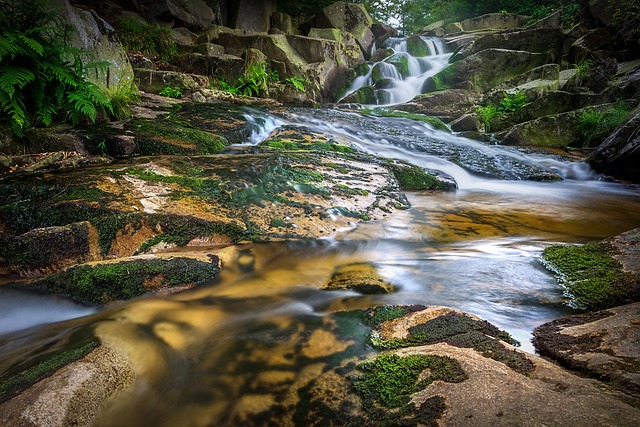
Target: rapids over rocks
(249,341)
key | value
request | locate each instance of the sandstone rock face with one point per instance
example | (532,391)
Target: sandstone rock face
(193,14)
(322,62)
(540,40)
(619,154)
(352,18)
(603,344)
(154,81)
(75,394)
(488,68)
(496,21)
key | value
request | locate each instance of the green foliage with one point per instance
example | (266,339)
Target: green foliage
(583,68)
(297,82)
(594,125)
(374,317)
(391,380)
(171,92)
(412,15)
(155,41)
(593,279)
(487,114)
(512,102)
(41,77)
(254,81)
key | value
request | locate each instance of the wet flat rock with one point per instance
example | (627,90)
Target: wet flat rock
(135,206)
(604,344)
(439,366)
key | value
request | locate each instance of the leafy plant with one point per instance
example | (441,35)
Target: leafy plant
(152,40)
(297,82)
(512,102)
(583,68)
(41,77)
(254,82)
(486,116)
(593,125)
(171,92)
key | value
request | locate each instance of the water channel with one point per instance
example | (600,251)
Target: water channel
(249,338)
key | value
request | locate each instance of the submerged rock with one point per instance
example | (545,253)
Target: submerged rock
(362,278)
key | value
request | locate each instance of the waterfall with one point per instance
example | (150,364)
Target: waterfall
(401,76)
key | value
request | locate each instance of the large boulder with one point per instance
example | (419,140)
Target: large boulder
(193,14)
(539,40)
(352,18)
(495,21)
(252,15)
(219,66)
(619,154)
(322,62)
(446,105)
(490,21)
(98,42)
(556,131)
(488,68)
(155,81)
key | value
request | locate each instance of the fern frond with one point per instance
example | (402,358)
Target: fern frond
(81,106)
(14,77)
(62,73)
(14,108)
(32,44)
(9,45)
(46,114)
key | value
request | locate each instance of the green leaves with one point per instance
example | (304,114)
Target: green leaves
(37,82)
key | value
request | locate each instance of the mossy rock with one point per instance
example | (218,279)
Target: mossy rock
(364,95)
(109,281)
(362,278)
(417,47)
(423,326)
(593,279)
(387,383)
(170,136)
(401,62)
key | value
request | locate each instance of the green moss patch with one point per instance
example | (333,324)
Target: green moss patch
(103,283)
(309,146)
(591,276)
(16,380)
(375,316)
(455,329)
(389,382)
(172,136)
(414,178)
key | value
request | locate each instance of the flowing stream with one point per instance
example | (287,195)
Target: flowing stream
(213,355)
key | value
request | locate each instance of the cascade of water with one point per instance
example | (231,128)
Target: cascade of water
(401,76)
